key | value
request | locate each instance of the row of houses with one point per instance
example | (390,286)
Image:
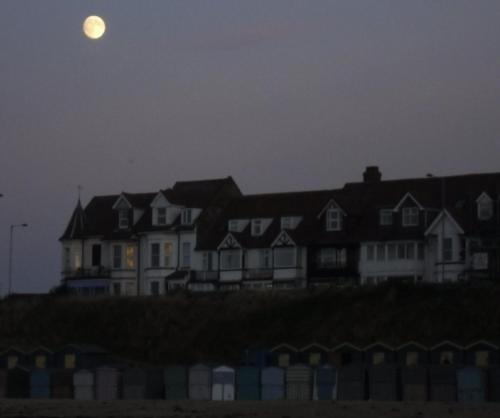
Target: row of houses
(223,383)
(207,235)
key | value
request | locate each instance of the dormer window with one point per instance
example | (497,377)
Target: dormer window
(232,225)
(484,208)
(385,217)
(286,222)
(123,218)
(161,216)
(256,227)
(410,216)
(333,219)
(187,217)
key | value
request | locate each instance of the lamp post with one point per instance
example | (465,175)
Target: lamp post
(11,249)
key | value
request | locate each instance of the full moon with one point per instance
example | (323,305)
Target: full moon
(94,27)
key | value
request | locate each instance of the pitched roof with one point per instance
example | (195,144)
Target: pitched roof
(76,225)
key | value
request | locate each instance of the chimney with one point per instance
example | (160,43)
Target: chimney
(372,174)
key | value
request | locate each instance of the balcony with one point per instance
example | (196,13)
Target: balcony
(89,273)
(258,274)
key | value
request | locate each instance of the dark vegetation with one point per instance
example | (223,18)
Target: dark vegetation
(186,328)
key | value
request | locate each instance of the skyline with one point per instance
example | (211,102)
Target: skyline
(281,95)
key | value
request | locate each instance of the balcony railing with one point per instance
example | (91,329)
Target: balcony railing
(93,272)
(258,274)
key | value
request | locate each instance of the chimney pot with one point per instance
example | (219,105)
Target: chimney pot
(372,174)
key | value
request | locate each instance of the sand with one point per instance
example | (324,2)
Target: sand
(191,409)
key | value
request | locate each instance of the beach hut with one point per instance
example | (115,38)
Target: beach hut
(352,383)
(176,382)
(12,357)
(84,385)
(62,384)
(325,383)
(18,383)
(40,384)
(107,383)
(314,355)
(3,384)
(447,353)
(40,358)
(471,384)
(134,383)
(81,356)
(493,392)
(414,383)
(200,382)
(345,354)
(223,382)
(383,382)
(248,383)
(155,385)
(298,383)
(442,383)
(412,354)
(379,353)
(272,384)
(283,355)
(482,354)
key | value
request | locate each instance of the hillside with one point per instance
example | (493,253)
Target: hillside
(218,327)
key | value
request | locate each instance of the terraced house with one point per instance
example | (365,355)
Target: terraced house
(206,236)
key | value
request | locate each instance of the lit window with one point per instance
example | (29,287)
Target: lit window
(482,358)
(130,256)
(155,255)
(187,216)
(314,359)
(256,227)
(447,249)
(161,216)
(69,361)
(411,358)
(410,216)
(230,259)
(378,358)
(385,217)
(12,362)
(41,361)
(485,209)
(123,218)
(186,254)
(265,259)
(446,357)
(284,360)
(333,219)
(167,253)
(284,257)
(117,256)
(233,225)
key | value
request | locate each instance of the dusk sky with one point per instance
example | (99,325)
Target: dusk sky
(283,95)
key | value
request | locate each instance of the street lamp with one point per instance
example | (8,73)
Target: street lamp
(11,248)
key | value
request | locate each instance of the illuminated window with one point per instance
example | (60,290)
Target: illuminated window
(446,357)
(482,358)
(40,361)
(411,358)
(130,256)
(314,359)
(284,360)
(168,248)
(378,358)
(69,361)
(12,361)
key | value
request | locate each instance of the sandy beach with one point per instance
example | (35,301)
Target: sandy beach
(190,409)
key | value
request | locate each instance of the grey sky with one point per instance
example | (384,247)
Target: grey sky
(281,94)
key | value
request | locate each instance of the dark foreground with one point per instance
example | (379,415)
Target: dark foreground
(240,409)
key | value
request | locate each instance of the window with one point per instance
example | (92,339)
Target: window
(411,358)
(420,250)
(123,218)
(333,219)
(284,360)
(12,362)
(117,289)
(410,216)
(207,261)
(485,209)
(446,357)
(286,222)
(385,217)
(69,361)
(332,258)
(130,256)
(284,257)
(482,358)
(67,258)
(230,260)
(41,361)
(167,253)
(161,216)
(378,358)
(380,252)
(370,252)
(314,359)
(155,255)
(186,254)
(187,216)
(154,288)
(391,251)
(410,251)
(256,227)
(117,256)
(96,255)
(265,259)
(233,225)
(447,249)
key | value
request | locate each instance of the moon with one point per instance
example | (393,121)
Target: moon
(94,27)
